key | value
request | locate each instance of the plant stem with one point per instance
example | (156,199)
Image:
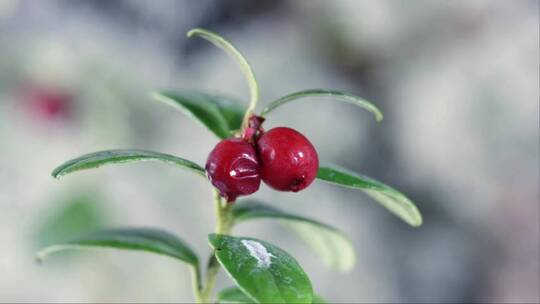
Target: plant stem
(224,223)
(211,273)
(254,99)
(197,284)
(224,215)
(250,110)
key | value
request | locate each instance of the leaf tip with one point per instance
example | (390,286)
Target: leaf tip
(379,116)
(415,219)
(418,222)
(195,31)
(56,174)
(155,95)
(41,256)
(159,96)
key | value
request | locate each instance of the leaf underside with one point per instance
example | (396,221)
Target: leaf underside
(102,158)
(264,272)
(335,96)
(334,248)
(139,239)
(221,115)
(393,200)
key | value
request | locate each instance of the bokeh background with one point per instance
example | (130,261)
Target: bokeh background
(457,81)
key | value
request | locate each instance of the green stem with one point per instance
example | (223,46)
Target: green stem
(197,284)
(224,215)
(249,111)
(224,223)
(211,273)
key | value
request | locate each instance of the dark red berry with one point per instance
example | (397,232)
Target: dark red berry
(289,161)
(233,168)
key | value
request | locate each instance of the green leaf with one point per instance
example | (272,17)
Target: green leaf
(234,295)
(390,198)
(330,244)
(318,299)
(337,95)
(263,271)
(230,109)
(219,114)
(98,159)
(78,213)
(141,239)
(235,54)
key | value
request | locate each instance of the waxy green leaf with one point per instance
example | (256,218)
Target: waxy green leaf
(266,273)
(390,198)
(335,95)
(141,239)
(318,300)
(234,295)
(231,110)
(335,249)
(98,159)
(219,114)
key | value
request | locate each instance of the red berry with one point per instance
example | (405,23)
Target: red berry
(289,161)
(233,168)
(49,102)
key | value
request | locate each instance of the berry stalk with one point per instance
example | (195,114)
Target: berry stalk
(224,224)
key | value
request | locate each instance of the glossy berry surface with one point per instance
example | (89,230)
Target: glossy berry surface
(289,161)
(233,168)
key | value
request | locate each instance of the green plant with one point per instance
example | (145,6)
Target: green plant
(261,271)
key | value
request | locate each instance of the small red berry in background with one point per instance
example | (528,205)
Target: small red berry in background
(47,102)
(233,168)
(289,161)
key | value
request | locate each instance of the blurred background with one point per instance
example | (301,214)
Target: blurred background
(457,82)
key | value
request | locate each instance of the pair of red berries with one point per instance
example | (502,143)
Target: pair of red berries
(282,157)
